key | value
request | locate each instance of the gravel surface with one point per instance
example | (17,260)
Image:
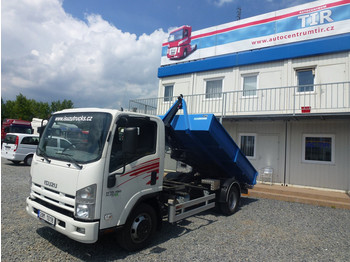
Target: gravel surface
(261,230)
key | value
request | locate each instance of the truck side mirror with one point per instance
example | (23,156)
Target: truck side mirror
(130,141)
(40,130)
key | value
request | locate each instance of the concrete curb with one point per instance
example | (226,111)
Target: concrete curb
(301,195)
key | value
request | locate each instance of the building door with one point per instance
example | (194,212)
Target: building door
(267,155)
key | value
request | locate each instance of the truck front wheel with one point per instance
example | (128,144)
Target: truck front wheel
(185,53)
(139,228)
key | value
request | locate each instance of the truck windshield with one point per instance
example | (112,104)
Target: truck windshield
(175,36)
(75,137)
(19,129)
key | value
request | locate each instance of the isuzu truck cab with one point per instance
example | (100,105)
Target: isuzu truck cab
(109,177)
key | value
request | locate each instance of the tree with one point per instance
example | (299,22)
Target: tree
(7,109)
(22,108)
(40,109)
(27,109)
(58,105)
(3,109)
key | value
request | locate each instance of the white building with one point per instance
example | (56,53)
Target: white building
(280,84)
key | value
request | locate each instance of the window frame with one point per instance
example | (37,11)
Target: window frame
(206,87)
(323,162)
(168,98)
(30,140)
(304,69)
(255,143)
(117,141)
(243,76)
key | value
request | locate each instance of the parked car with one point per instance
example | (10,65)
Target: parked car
(19,147)
(57,144)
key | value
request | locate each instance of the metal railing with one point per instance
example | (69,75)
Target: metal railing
(320,98)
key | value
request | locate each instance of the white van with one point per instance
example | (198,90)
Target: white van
(19,147)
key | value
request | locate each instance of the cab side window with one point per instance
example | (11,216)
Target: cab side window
(146,142)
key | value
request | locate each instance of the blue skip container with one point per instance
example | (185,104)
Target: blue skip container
(203,143)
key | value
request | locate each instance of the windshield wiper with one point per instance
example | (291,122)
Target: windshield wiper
(43,154)
(72,160)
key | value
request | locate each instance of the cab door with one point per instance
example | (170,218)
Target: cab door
(135,174)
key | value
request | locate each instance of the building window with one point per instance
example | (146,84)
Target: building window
(247,144)
(250,84)
(306,79)
(318,148)
(168,93)
(213,88)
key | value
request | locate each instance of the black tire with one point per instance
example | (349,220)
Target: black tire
(231,204)
(139,228)
(28,160)
(185,53)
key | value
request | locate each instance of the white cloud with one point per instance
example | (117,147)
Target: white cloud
(49,55)
(220,3)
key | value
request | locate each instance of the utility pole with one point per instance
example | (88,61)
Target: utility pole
(239,11)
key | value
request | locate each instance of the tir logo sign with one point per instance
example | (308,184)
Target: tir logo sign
(318,18)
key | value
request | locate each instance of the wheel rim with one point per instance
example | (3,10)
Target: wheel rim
(141,228)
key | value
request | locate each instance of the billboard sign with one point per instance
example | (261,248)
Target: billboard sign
(300,23)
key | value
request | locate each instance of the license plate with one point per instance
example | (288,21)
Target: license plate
(46,217)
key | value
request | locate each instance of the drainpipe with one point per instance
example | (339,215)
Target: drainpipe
(285,153)
(223,107)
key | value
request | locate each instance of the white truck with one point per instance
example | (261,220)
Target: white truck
(110,177)
(37,123)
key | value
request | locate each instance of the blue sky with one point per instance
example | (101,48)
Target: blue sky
(146,16)
(100,53)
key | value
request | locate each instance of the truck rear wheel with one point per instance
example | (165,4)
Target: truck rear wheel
(230,206)
(139,228)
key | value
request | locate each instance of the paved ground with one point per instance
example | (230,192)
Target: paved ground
(261,230)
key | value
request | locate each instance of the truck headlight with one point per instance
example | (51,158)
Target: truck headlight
(85,201)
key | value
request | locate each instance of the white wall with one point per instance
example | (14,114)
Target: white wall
(270,150)
(182,85)
(271,135)
(328,69)
(326,175)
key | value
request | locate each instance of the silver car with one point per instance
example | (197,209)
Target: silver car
(19,147)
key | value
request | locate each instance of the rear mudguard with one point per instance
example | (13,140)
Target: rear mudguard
(225,188)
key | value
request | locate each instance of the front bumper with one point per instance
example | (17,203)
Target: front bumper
(84,232)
